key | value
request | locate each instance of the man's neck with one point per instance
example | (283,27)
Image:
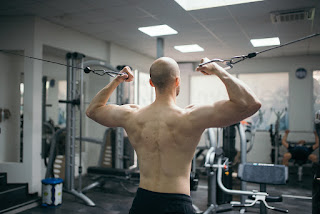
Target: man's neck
(165,98)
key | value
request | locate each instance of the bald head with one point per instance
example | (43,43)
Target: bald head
(163,73)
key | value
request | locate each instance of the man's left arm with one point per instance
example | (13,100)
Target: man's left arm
(110,115)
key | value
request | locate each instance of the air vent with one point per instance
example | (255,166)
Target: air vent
(292,15)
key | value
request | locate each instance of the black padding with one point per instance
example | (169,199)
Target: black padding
(135,175)
(263,173)
(108,171)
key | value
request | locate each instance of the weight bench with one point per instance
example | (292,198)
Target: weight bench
(263,174)
(103,173)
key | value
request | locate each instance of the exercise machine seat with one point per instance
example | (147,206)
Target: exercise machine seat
(263,173)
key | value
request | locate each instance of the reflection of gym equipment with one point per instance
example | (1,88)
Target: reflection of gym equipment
(258,173)
(73,133)
(300,163)
(106,163)
(276,137)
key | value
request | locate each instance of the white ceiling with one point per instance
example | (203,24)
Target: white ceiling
(223,32)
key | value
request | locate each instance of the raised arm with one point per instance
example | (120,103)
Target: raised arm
(111,115)
(316,145)
(242,101)
(284,139)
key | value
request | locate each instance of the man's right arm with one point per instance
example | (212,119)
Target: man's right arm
(242,101)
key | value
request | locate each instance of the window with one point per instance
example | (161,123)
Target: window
(316,90)
(272,89)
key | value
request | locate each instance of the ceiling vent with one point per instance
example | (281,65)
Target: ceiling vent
(292,15)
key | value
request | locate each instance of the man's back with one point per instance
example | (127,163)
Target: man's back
(164,139)
(165,136)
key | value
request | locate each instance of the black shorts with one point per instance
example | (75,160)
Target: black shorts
(300,152)
(148,202)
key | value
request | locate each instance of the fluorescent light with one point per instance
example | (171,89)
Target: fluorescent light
(158,30)
(189,48)
(265,42)
(201,4)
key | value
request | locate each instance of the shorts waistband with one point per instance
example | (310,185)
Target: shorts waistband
(145,192)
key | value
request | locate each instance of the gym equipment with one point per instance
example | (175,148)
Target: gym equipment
(213,163)
(316,188)
(102,72)
(237,59)
(48,131)
(261,195)
(104,169)
(75,102)
(275,136)
(111,72)
(263,174)
(212,178)
(74,99)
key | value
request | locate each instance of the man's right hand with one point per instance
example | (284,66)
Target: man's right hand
(127,75)
(287,131)
(210,68)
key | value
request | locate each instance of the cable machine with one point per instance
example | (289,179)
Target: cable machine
(74,101)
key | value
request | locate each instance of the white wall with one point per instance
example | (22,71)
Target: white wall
(10,77)
(122,56)
(66,39)
(19,35)
(186,69)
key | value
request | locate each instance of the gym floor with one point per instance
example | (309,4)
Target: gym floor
(116,197)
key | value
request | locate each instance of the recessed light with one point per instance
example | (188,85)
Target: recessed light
(265,42)
(158,30)
(189,48)
(201,4)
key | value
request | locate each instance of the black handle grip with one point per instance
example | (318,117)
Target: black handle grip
(281,210)
(87,70)
(238,205)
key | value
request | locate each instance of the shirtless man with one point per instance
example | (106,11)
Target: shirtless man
(165,136)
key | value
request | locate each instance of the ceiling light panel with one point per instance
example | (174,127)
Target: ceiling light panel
(265,42)
(202,4)
(189,48)
(158,30)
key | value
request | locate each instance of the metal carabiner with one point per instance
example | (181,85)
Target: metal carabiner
(227,62)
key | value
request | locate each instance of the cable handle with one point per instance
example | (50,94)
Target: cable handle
(102,72)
